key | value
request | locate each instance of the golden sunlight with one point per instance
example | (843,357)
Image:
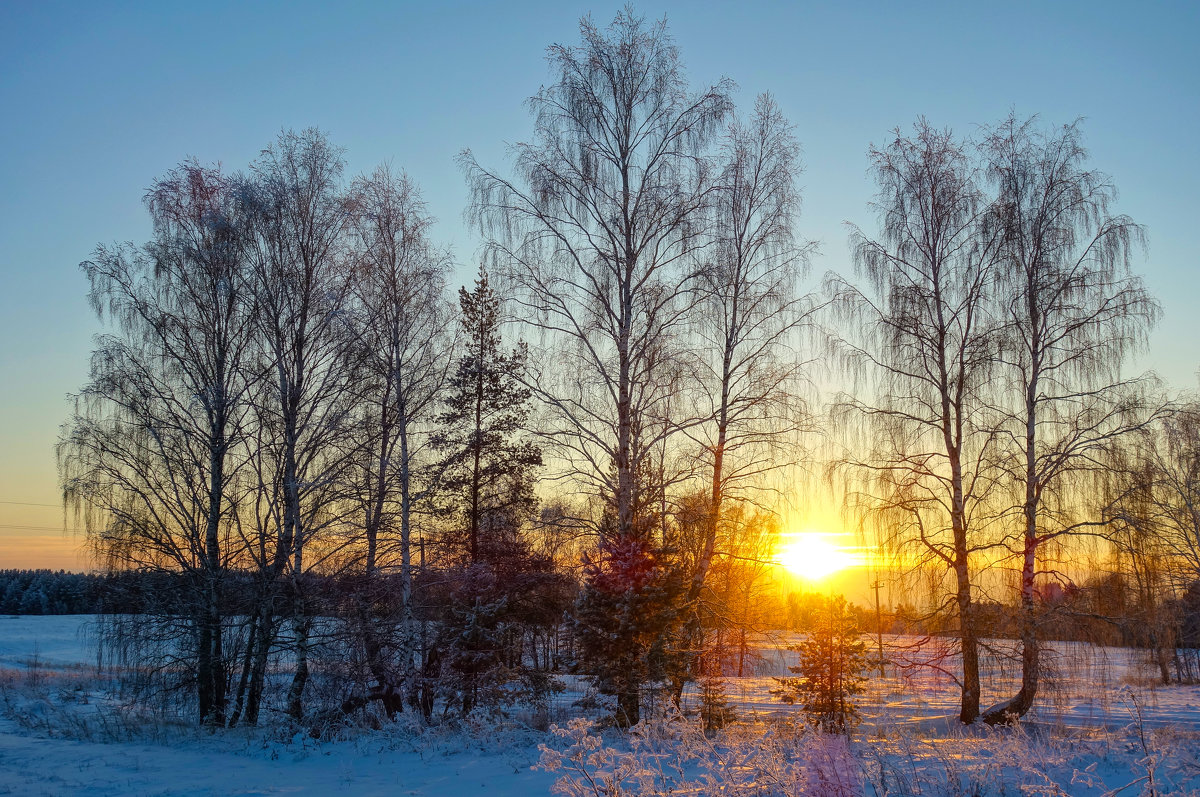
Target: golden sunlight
(813,557)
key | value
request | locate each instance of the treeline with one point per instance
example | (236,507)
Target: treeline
(38,592)
(406,502)
(1104,610)
(50,592)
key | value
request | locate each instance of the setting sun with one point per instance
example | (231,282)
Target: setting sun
(811,556)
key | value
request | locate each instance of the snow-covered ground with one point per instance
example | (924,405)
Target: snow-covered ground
(63,731)
(48,680)
(34,765)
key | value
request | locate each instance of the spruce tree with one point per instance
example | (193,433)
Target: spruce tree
(487,489)
(488,471)
(627,617)
(832,661)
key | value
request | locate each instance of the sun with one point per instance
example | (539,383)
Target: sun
(811,556)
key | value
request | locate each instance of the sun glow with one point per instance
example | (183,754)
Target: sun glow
(812,556)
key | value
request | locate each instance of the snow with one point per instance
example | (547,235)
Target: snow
(63,731)
(35,766)
(56,640)
(55,654)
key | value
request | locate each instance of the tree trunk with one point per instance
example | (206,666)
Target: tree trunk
(952,432)
(969,707)
(247,664)
(303,629)
(204,695)
(408,645)
(629,706)
(386,690)
(1019,705)
(211,665)
(477,448)
(258,672)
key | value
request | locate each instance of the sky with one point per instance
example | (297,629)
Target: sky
(99,99)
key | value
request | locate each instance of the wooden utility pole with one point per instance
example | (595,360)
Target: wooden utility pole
(424,613)
(878,628)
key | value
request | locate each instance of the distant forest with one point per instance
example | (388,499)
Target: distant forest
(1105,611)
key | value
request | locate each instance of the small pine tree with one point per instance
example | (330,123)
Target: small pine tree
(832,661)
(625,620)
(474,639)
(715,709)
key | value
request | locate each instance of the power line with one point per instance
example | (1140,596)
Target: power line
(27,503)
(36,528)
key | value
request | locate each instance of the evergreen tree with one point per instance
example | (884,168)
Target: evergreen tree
(627,618)
(832,661)
(34,600)
(11,602)
(487,483)
(488,470)
(474,633)
(716,710)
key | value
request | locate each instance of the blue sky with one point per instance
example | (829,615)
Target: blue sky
(98,99)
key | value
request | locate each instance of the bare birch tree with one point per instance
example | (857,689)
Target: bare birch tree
(749,313)
(399,280)
(597,233)
(1154,512)
(305,336)
(1073,315)
(1143,558)
(1168,476)
(152,457)
(928,343)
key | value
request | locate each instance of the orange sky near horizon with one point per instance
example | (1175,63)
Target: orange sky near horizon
(33,536)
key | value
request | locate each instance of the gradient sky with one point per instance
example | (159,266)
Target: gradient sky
(96,100)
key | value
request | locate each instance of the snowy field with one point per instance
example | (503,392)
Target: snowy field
(62,731)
